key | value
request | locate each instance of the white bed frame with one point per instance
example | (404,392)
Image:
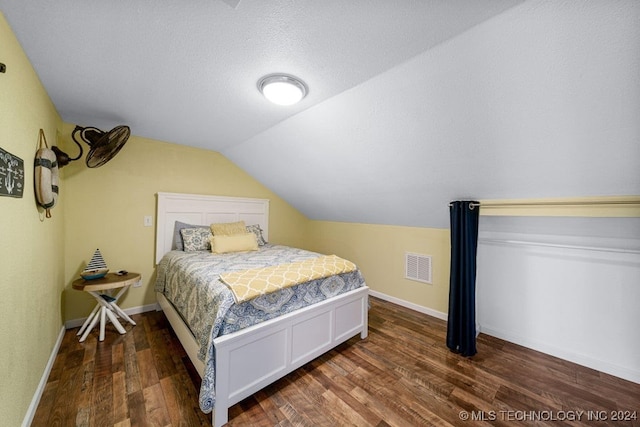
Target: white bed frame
(250,359)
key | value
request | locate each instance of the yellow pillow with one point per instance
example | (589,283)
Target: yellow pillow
(234,243)
(228,228)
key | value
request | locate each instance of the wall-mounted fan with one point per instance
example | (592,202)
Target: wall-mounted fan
(103,145)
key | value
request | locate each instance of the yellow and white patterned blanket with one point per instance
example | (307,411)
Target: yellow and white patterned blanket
(252,283)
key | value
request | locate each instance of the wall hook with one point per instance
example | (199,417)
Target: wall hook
(3,68)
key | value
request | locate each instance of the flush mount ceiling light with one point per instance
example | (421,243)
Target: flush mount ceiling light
(282,89)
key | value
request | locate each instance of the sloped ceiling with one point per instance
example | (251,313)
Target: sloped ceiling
(412,103)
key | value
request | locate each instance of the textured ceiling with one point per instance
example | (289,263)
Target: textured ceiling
(411,103)
(186,71)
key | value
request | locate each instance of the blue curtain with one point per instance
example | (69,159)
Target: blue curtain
(461,327)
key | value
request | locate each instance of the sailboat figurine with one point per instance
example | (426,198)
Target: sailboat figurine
(96,268)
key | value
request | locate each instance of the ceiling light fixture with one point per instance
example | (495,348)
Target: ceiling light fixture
(282,89)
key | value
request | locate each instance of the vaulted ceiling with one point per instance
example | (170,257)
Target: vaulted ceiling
(411,103)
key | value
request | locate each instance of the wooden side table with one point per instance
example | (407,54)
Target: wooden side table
(106,307)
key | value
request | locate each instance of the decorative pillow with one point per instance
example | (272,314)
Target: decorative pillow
(228,228)
(234,243)
(255,229)
(196,239)
(177,237)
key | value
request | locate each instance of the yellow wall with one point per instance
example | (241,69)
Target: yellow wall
(105,208)
(379,252)
(31,247)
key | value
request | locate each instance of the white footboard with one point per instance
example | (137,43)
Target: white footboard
(255,357)
(250,359)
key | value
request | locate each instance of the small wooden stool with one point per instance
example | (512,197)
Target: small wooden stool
(106,307)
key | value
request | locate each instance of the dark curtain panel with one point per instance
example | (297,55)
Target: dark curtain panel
(461,327)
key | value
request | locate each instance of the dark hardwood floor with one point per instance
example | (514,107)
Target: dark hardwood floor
(401,375)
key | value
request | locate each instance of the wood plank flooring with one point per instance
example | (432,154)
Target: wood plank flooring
(401,375)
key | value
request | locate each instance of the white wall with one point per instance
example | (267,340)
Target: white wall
(569,287)
(542,100)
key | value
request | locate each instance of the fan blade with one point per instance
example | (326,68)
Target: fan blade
(107,146)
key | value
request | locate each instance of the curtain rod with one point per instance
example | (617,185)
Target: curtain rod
(552,203)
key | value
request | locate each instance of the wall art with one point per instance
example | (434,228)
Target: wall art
(11,175)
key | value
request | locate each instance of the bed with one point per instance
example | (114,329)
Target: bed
(236,364)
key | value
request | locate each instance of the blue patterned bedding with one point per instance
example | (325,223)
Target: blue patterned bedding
(190,281)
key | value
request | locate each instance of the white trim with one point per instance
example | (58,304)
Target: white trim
(410,305)
(571,356)
(558,245)
(580,285)
(35,401)
(618,245)
(76,323)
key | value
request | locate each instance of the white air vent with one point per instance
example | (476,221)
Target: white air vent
(418,267)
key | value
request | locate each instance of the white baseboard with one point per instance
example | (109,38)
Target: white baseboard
(31,411)
(580,359)
(590,362)
(410,305)
(75,323)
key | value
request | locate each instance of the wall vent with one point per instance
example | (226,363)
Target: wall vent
(418,267)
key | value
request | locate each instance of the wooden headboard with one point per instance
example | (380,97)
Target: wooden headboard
(204,210)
